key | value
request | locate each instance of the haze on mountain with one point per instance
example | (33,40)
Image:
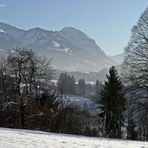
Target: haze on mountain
(70,49)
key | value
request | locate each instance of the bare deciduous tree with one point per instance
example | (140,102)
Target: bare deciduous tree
(27,73)
(136,68)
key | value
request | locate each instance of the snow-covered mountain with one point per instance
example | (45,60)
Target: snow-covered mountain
(118,58)
(81,40)
(70,48)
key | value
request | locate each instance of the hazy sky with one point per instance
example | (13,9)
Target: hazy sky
(107,21)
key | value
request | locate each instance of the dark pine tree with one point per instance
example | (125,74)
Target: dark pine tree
(81,87)
(66,84)
(97,87)
(113,104)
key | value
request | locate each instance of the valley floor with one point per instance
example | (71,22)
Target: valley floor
(16,138)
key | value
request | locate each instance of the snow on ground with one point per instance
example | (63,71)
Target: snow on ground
(14,138)
(80,101)
(83,103)
(1,49)
(2,31)
(66,50)
(56,44)
(90,62)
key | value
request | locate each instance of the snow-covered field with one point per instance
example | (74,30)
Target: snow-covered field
(83,103)
(12,138)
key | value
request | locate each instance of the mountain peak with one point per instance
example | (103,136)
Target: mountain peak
(73,31)
(7,26)
(70,28)
(81,40)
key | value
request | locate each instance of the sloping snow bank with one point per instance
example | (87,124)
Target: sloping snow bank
(15,138)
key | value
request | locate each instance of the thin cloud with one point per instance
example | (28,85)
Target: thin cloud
(2,5)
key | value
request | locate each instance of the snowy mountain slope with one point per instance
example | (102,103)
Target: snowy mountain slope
(81,40)
(9,37)
(15,138)
(12,31)
(118,58)
(70,49)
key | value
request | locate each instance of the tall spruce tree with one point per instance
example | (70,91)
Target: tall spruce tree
(81,87)
(98,87)
(113,104)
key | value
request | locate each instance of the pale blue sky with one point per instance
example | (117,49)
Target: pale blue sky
(107,21)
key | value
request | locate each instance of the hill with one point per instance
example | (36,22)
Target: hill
(15,138)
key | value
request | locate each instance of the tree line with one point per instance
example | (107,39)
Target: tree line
(28,100)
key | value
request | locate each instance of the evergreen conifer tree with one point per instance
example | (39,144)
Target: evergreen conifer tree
(113,104)
(81,87)
(97,87)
